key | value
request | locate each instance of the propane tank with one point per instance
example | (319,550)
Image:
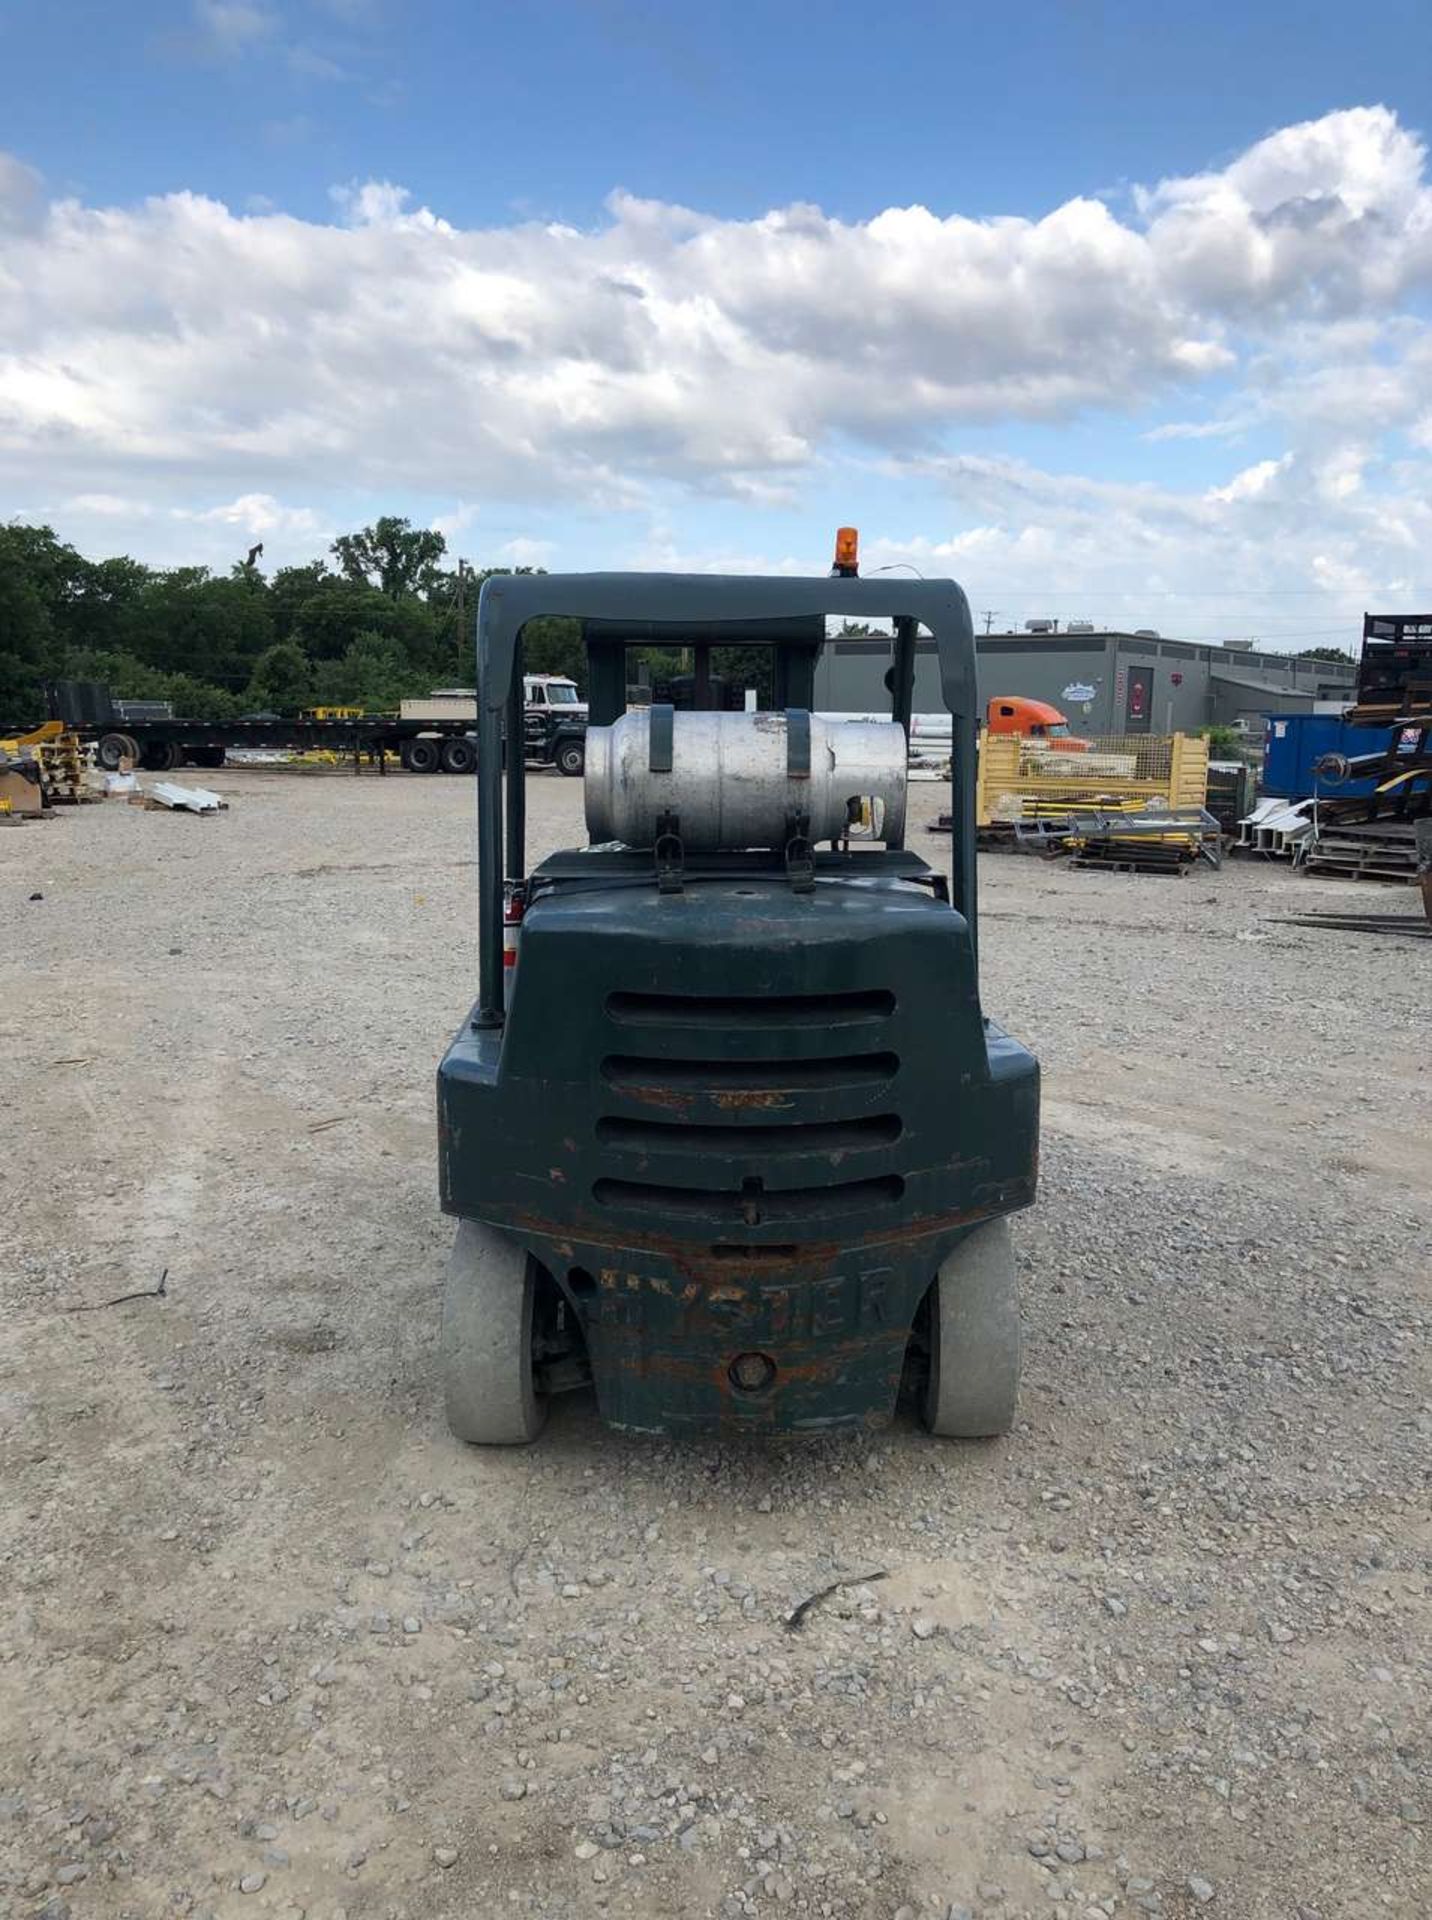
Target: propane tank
(735,780)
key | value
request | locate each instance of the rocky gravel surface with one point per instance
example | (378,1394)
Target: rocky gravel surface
(271,1644)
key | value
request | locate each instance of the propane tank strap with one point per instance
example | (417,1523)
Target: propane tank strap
(797,743)
(659,738)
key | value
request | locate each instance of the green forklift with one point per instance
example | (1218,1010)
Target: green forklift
(727,1134)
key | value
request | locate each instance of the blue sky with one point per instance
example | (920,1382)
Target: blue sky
(1116,370)
(491,112)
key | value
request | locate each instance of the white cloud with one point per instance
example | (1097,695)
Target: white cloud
(522,552)
(231,28)
(260,514)
(450,525)
(112,506)
(1225,429)
(311,63)
(371,203)
(182,353)
(1321,217)
(1284,551)
(1253,483)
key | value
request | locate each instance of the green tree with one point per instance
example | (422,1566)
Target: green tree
(554,645)
(748,667)
(330,620)
(374,674)
(290,591)
(1339,654)
(22,698)
(393,555)
(131,679)
(1221,739)
(196,700)
(453,605)
(26,634)
(126,677)
(186,621)
(99,612)
(282,679)
(53,569)
(386,624)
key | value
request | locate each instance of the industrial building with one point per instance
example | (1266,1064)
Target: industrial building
(1105,682)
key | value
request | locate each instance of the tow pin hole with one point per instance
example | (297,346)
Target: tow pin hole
(752,1372)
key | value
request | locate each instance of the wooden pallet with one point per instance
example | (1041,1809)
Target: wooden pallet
(62,772)
(1367,850)
(1335,869)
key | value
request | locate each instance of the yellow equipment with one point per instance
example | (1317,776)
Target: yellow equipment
(1021,779)
(60,758)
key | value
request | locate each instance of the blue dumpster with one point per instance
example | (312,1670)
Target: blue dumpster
(1293,743)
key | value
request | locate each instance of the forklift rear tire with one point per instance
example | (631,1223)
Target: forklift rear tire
(488,1384)
(975,1340)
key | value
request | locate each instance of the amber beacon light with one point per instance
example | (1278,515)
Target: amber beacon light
(847,552)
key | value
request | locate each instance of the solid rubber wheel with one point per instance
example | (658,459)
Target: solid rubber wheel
(975,1339)
(488,1384)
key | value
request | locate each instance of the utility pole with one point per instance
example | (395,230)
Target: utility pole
(988,617)
(461,605)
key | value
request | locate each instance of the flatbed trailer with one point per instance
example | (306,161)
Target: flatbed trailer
(420,745)
(158,746)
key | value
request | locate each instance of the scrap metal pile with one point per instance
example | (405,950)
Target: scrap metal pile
(1135,804)
(1155,839)
(1374,836)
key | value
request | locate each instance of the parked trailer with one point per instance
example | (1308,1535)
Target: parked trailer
(159,745)
(426,746)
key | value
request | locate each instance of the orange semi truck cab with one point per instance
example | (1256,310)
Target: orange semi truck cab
(1035,719)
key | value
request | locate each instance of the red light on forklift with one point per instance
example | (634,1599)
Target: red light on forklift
(847,552)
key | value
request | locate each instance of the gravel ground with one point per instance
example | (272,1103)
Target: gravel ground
(272,1643)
